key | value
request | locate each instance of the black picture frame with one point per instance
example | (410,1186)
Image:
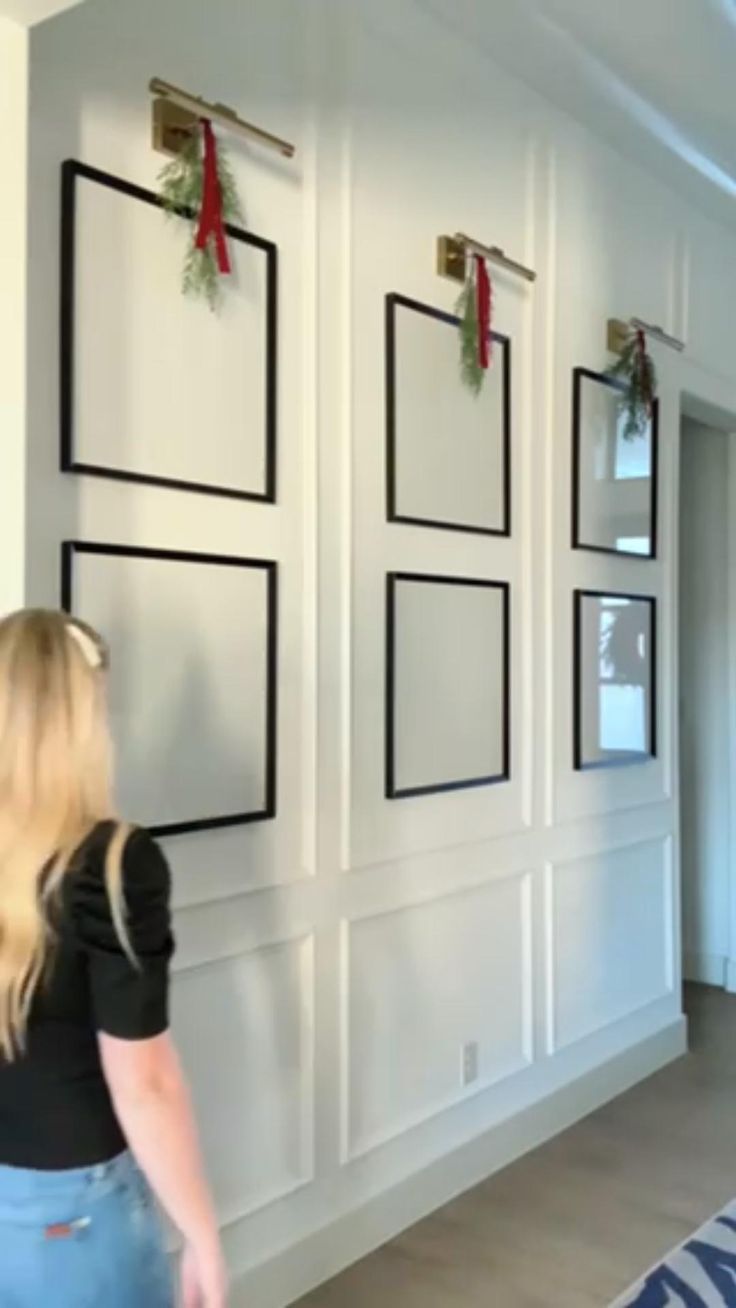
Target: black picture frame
(71,548)
(394,302)
(623,758)
(72,172)
(393,580)
(580,376)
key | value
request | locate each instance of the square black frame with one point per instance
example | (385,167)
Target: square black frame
(71,548)
(578,377)
(393,579)
(626,758)
(71,171)
(393,302)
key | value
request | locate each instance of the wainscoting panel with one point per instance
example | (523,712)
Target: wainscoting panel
(437,1006)
(244,1026)
(610,938)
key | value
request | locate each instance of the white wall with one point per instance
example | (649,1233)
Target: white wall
(347,950)
(13,221)
(705,777)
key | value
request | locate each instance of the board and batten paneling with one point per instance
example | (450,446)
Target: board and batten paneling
(404,231)
(196,387)
(336,960)
(168,390)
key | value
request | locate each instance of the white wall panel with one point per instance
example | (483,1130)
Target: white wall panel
(610,938)
(617,244)
(89,102)
(397,213)
(244,1025)
(14,72)
(421,982)
(430,422)
(712,288)
(616,234)
(160,388)
(191,681)
(447,664)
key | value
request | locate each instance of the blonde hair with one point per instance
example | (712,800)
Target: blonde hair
(55,787)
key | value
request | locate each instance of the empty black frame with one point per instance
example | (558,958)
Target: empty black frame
(72,171)
(393,580)
(625,758)
(395,301)
(71,548)
(580,375)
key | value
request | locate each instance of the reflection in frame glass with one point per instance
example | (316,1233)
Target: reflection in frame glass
(615,692)
(614,476)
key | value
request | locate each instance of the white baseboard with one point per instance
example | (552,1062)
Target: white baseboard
(731,976)
(706,969)
(328,1251)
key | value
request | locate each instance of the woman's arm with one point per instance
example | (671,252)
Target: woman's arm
(124,930)
(152,1103)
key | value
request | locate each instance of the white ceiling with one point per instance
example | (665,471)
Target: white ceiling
(30,12)
(655,77)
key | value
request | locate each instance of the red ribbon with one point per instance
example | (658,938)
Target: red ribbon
(483,307)
(210,219)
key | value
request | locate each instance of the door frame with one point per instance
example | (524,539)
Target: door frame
(708,414)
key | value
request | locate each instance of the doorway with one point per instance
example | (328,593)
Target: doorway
(706,712)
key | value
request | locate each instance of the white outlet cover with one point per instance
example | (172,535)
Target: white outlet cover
(470,1062)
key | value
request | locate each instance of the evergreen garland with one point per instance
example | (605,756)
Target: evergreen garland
(473,375)
(635,367)
(181,185)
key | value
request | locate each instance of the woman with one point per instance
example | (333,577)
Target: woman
(94,1111)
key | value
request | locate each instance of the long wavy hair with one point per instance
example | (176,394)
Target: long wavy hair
(55,787)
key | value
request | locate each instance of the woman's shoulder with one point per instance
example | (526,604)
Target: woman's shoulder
(144,878)
(122,927)
(140,854)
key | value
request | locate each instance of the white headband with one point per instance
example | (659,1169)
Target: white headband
(86,644)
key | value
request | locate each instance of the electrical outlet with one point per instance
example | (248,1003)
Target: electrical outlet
(470,1068)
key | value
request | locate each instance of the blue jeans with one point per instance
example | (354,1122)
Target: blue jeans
(81,1239)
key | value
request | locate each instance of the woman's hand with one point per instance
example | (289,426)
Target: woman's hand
(203,1278)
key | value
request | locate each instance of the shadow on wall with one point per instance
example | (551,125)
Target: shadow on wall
(173,753)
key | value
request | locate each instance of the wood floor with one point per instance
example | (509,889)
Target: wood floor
(575,1223)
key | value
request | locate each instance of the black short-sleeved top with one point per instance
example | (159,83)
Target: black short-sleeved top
(55,1108)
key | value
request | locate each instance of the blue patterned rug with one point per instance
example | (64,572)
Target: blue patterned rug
(700,1274)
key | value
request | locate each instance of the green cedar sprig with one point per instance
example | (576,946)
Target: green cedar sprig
(473,375)
(635,368)
(181,184)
